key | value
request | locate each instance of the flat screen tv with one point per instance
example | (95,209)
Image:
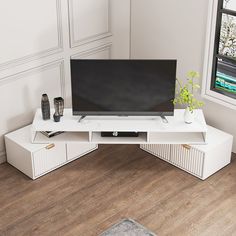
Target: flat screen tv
(123,87)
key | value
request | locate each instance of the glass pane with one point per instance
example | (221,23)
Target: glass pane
(227,45)
(230,4)
(226,77)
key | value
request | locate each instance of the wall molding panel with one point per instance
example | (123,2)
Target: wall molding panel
(92,52)
(38,69)
(58,47)
(85,31)
(27,87)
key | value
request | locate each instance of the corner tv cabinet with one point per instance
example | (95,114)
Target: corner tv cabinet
(196,148)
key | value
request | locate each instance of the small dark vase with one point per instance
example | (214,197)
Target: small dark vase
(45,107)
(59,101)
(56,115)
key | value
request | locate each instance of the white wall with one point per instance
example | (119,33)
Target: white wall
(177,29)
(38,38)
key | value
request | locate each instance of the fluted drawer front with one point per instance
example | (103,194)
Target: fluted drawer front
(75,150)
(49,157)
(188,158)
(160,150)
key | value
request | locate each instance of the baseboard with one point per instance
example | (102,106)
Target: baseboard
(2,157)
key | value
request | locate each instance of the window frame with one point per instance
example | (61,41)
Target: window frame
(209,91)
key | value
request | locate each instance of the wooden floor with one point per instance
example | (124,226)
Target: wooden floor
(87,196)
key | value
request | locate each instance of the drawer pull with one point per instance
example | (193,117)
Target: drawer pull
(186,146)
(52,145)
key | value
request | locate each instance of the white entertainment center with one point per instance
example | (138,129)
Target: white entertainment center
(197,148)
(151,129)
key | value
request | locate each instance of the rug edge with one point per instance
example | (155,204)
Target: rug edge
(131,220)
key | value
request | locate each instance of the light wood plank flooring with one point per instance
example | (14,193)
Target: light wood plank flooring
(88,195)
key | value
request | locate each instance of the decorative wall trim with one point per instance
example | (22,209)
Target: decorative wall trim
(130,28)
(92,38)
(62,78)
(30,71)
(92,51)
(38,55)
(2,157)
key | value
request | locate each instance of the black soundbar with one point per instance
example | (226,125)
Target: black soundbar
(119,134)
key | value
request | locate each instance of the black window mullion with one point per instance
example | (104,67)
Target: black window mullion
(217,43)
(228,12)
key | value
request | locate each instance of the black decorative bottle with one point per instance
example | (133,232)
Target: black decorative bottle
(56,115)
(59,105)
(45,107)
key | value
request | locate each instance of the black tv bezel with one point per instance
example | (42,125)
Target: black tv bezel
(123,113)
(119,113)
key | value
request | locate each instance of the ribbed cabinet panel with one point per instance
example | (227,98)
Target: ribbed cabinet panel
(189,159)
(47,159)
(160,150)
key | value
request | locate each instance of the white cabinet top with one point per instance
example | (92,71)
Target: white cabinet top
(215,137)
(115,123)
(22,138)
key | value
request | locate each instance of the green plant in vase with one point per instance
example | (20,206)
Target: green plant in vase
(185,95)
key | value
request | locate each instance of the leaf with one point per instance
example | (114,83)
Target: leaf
(193,74)
(184,95)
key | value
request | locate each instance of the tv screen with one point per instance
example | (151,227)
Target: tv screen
(123,87)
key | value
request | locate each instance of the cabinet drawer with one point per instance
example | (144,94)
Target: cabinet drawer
(188,158)
(49,157)
(78,149)
(160,150)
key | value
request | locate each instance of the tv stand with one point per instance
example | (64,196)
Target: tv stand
(81,119)
(174,142)
(164,120)
(151,129)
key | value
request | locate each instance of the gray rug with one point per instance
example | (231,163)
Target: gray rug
(127,227)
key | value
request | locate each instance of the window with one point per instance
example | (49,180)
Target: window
(220,72)
(224,61)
